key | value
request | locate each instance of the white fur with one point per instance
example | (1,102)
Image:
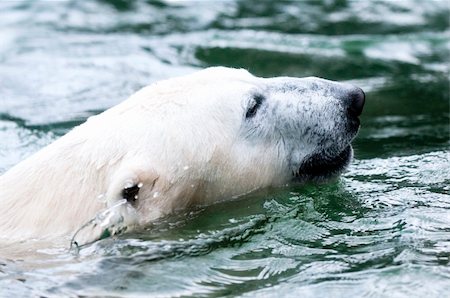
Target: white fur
(186,140)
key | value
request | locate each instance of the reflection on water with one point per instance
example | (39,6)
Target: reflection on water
(382,230)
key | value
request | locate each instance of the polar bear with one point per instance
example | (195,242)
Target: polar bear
(192,140)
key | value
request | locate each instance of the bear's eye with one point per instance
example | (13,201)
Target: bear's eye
(255,104)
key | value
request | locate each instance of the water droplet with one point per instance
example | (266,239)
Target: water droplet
(101,197)
(140,184)
(156,194)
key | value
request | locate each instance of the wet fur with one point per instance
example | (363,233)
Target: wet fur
(187,141)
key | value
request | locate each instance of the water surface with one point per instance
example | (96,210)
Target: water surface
(382,230)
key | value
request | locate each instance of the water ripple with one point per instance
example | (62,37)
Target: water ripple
(382,230)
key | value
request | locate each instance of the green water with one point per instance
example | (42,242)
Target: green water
(382,230)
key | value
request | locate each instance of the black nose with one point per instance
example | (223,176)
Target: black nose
(357,100)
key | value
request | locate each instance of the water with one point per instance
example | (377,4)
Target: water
(382,230)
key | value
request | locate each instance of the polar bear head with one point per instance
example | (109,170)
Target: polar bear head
(197,139)
(221,133)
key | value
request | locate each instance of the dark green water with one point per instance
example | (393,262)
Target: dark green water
(382,230)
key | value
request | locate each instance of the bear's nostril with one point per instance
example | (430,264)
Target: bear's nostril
(357,100)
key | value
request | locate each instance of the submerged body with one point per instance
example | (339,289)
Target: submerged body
(194,140)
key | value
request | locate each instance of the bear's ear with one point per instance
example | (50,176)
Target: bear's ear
(121,198)
(127,182)
(131,192)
